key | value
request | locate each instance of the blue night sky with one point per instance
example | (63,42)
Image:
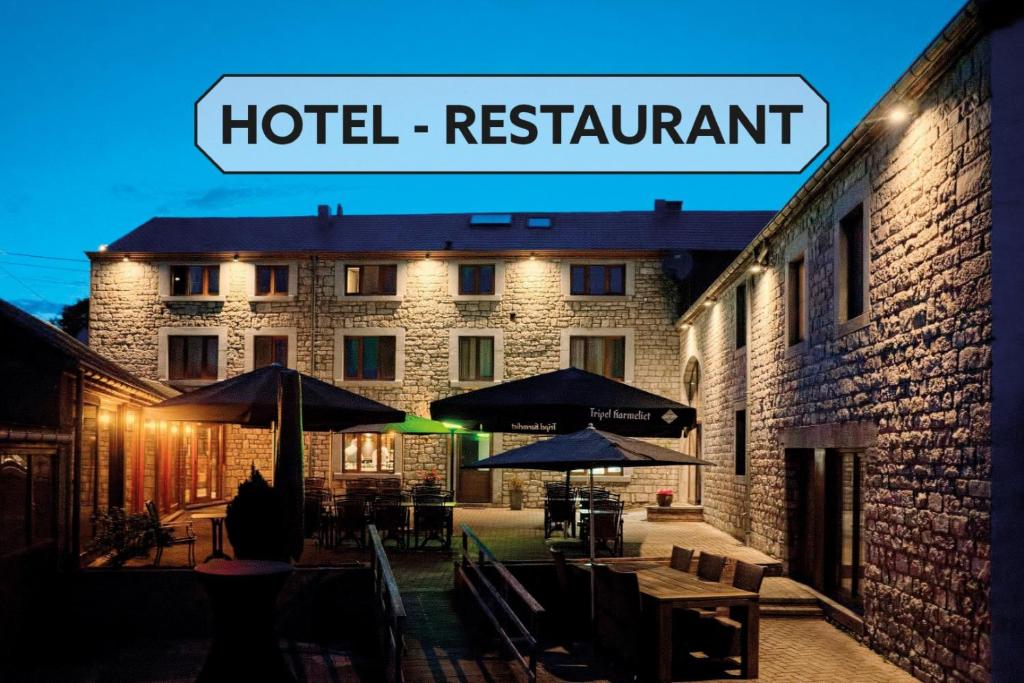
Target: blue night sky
(98,127)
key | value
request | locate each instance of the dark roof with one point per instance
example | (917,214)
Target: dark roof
(622,230)
(75,351)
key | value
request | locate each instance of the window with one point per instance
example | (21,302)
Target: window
(370,358)
(476,359)
(195,280)
(368,452)
(192,357)
(272,280)
(600,355)
(365,280)
(268,349)
(597,280)
(28,500)
(601,471)
(796,308)
(741,316)
(852,264)
(476,279)
(741,443)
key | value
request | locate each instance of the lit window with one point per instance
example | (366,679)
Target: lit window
(476,279)
(476,359)
(597,280)
(368,452)
(852,264)
(600,355)
(269,349)
(601,471)
(192,357)
(796,309)
(271,280)
(370,358)
(369,280)
(195,280)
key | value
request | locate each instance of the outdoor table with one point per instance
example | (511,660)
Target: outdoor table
(670,589)
(217,533)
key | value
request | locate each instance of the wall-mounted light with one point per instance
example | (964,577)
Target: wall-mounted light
(103,248)
(129,420)
(533,257)
(898,114)
(708,303)
(174,429)
(150,425)
(427,256)
(188,430)
(235,258)
(755,268)
(125,258)
(104,418)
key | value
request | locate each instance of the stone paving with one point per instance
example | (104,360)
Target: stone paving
(440,649)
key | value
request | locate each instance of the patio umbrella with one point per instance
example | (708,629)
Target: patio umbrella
(251,400)
(587,449)
(566,401)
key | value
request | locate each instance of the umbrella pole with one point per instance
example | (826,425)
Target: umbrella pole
(590,523)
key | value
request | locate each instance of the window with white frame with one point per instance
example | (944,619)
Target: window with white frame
(605,355)
(365,453)
(194,280)
(371,279)
(192,357)
(476,356)
(369,355)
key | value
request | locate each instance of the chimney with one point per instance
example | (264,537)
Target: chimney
(339,212)
(323,215)
(668,205)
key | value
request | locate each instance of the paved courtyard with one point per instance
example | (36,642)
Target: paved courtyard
(439,648)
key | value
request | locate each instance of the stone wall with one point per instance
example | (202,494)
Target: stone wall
(127,311)
(917,373)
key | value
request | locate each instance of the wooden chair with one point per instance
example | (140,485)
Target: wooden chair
(608,527)
(710,566)
(621,629)
(167,535)
(314,483)
(719,636)
(682,558)
(391,518)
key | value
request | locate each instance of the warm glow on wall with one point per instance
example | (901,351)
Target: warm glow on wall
(104,418)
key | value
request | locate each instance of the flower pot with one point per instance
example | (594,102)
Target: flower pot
(515,500)
(664,500)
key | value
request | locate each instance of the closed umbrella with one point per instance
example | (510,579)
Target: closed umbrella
(288,475)
(587,449)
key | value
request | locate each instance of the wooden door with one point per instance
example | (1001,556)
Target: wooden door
(474,486)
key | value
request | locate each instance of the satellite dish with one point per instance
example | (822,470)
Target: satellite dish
(677,265)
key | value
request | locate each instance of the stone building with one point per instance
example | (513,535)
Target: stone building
(406,310)
(843,363)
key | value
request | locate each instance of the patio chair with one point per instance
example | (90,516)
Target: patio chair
(719,635)
(710,566)
(312,483)
(621,629)
(682,558)
(608,527)
(315,514)
(168,535)
(559,510)
(350,519)
(426,490)
(363,486)
(391,518)
(389,485)
(431,519)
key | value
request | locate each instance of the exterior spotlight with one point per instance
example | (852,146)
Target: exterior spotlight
(533,257)
(124,258)
(898,115)
(427,255)
(756,268)
(103,248)
(235,258)
(708,303)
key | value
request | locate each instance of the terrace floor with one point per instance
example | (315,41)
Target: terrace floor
(439,649)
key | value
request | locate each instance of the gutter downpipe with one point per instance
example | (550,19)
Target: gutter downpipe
(76,475)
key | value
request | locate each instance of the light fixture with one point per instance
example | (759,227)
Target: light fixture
(756,268)
(103,248)
(104,418)
(125,258)
(708,303)
(174,429)
(129,420)
(235,258)
(150,425)
(427,255)
(898,114)
(533,257)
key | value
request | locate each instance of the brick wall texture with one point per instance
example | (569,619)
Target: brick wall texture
(918,372)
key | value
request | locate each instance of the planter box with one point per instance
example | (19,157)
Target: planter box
(675,513)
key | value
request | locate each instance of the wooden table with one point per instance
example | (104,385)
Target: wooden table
(670,589)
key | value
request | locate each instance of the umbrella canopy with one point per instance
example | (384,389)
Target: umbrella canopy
(413,424)
(250,399)
(566,401)
(586,449)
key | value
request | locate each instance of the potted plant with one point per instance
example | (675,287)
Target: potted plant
(121,537)
(664,497)
(515,492)
(255,521)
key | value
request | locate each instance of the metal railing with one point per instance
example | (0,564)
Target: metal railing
(520,637)
(388,608)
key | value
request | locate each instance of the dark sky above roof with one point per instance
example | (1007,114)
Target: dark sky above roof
(622,230)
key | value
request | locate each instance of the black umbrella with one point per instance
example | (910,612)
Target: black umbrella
(566,401)
(587,449)
(251,399)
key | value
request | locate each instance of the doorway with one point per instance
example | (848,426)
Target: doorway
(474,486)
(824,495)
(690,483)
(206,449)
